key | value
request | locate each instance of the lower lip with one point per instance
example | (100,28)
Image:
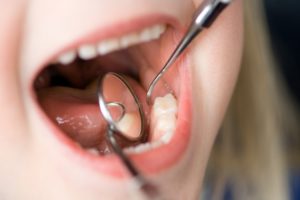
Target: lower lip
(164,156)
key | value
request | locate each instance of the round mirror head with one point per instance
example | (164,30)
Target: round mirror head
(121,107)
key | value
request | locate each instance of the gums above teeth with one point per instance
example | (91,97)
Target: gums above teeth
(90,51)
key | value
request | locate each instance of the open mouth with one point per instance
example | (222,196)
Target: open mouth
(66,90)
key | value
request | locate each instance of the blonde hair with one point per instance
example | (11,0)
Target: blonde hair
(249,154)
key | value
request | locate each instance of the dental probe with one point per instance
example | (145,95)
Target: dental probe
(113,133)
(203,18)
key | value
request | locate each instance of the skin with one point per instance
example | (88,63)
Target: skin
(31,166)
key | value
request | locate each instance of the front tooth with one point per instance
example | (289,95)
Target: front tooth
(163,118)
(129,40)
(108,46)
(87,52)
(67,57)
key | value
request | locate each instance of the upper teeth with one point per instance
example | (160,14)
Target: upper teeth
(90,51)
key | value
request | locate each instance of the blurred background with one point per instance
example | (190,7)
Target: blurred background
(283,18)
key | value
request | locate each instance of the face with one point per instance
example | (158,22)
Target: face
(53,136)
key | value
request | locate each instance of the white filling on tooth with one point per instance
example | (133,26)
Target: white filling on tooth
(90,51)
(87,52)
(165,105)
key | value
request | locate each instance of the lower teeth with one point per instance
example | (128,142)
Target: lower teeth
(163,121)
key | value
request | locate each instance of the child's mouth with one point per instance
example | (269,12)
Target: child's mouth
(66,90)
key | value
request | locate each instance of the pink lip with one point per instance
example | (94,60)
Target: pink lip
(150,162)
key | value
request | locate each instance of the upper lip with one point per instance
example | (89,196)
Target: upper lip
(113,30)
(118,29)
(106,164)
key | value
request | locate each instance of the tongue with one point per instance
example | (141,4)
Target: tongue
(77,112)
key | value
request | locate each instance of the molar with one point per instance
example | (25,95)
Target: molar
(163,124)
(163,118)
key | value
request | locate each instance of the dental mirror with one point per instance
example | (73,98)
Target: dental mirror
(121,108)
